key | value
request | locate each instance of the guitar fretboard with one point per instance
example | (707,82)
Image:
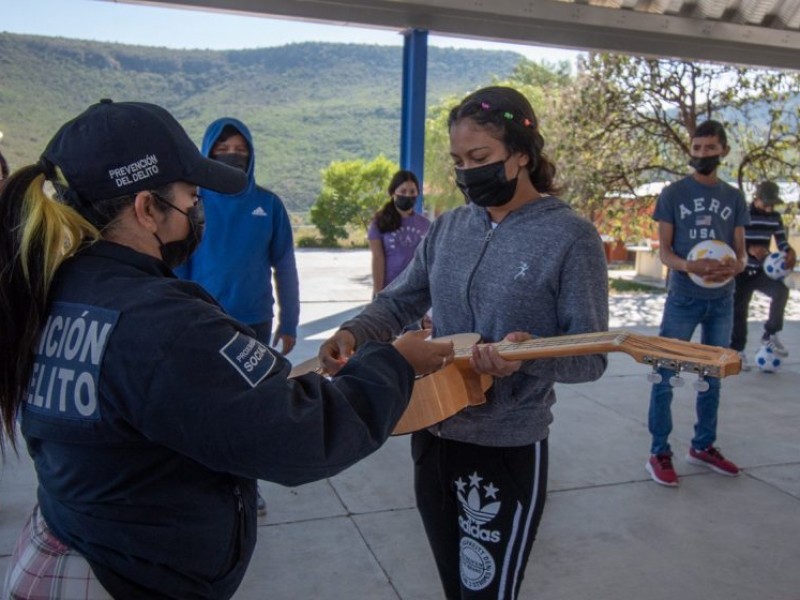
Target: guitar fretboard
(595,342)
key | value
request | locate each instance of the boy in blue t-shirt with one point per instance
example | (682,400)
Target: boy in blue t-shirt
(696,208)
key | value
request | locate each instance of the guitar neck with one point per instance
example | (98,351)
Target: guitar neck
(564,345)
(658,351)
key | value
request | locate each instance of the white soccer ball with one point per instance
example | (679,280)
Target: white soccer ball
(766,359)
(713,249)
(775,265)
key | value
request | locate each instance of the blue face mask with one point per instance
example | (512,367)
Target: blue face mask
(486,185)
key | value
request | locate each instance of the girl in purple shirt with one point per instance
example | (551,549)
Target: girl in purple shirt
(396,230)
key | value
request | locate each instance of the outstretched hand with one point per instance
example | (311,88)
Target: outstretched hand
(336,351)
(424,355)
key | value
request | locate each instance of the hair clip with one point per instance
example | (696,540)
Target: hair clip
(508,116)
(527,122)
(485,106)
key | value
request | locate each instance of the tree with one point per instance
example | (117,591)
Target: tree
(441,192)
(351,193)
(627,121)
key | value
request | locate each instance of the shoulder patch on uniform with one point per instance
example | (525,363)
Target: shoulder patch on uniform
(251,359)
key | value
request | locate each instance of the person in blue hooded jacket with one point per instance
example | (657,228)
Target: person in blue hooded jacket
(248,237)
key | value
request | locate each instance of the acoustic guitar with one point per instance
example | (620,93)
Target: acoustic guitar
(442,394)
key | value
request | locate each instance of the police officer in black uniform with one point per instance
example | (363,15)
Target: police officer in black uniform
(150,413)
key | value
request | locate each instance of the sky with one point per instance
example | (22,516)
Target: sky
(184,28)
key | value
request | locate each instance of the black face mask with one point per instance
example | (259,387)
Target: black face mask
(487,185)
(704,165)
(178,252)
(234,159)
(405,202)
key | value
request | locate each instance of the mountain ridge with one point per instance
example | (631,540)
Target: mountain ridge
(306,104)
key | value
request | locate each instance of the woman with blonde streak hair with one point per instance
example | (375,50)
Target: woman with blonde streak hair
(149,412)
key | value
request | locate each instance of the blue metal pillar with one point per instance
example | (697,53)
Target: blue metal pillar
(412,125)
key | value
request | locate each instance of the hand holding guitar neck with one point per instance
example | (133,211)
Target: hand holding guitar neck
(486,359)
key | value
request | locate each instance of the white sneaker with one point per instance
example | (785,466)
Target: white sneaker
(777,347)
(745,363)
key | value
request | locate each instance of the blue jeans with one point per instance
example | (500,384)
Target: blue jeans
(682,315)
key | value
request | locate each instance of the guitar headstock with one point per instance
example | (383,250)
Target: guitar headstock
(678,355)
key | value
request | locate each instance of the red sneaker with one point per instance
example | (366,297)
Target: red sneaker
(712,458)
(660,468)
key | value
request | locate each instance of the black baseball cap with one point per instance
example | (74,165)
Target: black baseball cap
(769,193)
(118,148)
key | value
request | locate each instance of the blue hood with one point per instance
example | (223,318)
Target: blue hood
(210,138)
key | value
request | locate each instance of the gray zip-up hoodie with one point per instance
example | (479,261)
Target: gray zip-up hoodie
(541,270)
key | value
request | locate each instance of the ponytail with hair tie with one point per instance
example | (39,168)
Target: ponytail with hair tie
(47,168)
(68,196)
(45,232)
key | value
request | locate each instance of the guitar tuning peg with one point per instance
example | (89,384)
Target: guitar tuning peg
(701,385)
(676,380)
(654,376)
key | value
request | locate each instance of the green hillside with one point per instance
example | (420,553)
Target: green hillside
(306,104)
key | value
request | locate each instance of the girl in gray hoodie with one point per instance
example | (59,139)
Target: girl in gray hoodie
(513,263)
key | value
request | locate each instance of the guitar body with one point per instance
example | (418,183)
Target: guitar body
(437,396)
(442,394)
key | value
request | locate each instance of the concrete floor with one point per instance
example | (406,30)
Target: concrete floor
(608,531)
